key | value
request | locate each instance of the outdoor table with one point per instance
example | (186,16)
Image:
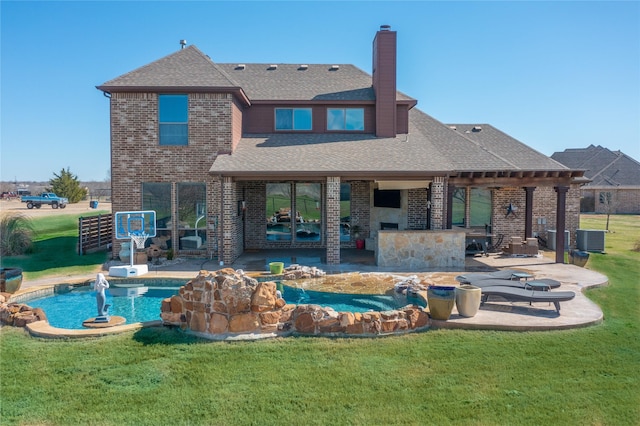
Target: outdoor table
(536,286)
(517,276)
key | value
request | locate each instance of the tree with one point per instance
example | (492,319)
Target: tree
(66,184)
(610,205)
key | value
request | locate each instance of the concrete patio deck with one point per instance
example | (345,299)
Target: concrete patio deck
(493,315)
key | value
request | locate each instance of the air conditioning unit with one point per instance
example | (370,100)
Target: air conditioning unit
(590,240)
(551,239)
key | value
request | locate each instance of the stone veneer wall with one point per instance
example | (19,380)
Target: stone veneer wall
(225,303)
(420,250)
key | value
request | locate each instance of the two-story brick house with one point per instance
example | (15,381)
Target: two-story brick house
(245,156)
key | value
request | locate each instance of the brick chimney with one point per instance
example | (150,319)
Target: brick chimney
(384,81)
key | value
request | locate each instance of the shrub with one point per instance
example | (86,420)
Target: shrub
(16,234)
(636,246)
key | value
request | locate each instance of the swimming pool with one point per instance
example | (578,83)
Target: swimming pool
(136,303)
(141,301)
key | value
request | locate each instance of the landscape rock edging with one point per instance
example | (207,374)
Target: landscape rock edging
(228,303)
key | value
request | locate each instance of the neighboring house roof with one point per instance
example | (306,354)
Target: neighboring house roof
(603,166)
(429,147)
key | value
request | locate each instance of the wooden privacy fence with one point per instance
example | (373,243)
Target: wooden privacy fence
(94,233)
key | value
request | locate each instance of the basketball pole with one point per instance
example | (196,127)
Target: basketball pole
(131,250)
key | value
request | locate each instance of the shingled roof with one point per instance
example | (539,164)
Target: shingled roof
(430,147)
(189,68)
(603,166)
(305,82)
(186,68)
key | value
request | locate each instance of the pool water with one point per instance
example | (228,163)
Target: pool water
(345,302)
(136,304)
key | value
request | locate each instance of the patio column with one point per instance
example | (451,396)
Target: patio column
(333,220)
(437,203)
(450,190)
(528,211)
(226,252)
(560,221)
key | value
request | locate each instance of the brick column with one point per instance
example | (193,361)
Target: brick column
(437,203)
(528,211)
(333,220)
(560,221)
(226,250)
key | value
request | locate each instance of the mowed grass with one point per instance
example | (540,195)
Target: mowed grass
(161,376)
(55,249)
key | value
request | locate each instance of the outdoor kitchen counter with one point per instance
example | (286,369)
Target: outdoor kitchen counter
(421,250)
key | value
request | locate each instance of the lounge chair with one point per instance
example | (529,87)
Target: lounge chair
(513,294)
(537,284)
(506,274)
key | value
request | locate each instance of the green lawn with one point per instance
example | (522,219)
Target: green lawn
(159,376)
(55,249)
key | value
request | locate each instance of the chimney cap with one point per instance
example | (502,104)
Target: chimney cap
(183,43)
(385,27)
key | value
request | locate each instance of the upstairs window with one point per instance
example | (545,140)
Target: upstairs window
(293,119)
(345,119)
(173,118)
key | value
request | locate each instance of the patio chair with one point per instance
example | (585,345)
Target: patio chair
(513,294)
(506,274)
(547,283)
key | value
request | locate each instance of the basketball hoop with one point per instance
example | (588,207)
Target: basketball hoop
(139,239)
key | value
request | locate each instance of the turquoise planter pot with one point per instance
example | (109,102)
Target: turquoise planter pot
(10,280)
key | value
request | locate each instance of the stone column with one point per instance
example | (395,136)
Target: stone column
(560,221)
(438,203)
(333,220)
(528,211)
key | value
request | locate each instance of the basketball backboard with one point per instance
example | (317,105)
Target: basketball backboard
(136,224)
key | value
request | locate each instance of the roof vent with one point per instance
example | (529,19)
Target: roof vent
(334,68)
(303,67)
(453,127)
(240,66)
(476,128)
(183,43)
(273,67)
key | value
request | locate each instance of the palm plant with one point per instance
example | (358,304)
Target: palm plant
(16,234)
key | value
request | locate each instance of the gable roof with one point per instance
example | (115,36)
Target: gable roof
(186,68)
(191,69)
(603,166)
(430,147)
